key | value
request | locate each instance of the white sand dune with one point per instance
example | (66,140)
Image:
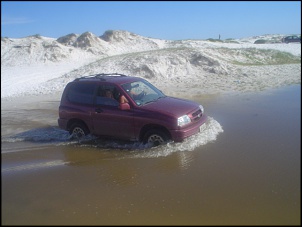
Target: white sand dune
(41,65)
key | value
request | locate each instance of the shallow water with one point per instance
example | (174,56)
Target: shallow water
(243,169)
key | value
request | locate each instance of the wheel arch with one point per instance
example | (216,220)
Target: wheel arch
(76,120)
(149,127)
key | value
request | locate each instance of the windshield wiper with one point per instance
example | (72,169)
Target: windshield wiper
(154,100)
(160,97)
(150,101)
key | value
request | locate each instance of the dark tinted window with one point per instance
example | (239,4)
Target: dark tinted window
(81,93)
(107,95)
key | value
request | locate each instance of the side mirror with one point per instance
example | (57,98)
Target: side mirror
(124,106)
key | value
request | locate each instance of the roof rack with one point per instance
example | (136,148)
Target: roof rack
(108,74)
(100,76)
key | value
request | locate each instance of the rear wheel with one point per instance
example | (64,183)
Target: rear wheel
(155,137)
(78,130)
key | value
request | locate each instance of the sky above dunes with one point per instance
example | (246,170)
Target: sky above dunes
(169,20)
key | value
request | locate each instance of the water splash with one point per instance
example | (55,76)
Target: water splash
(210,131)
(34,166)
(42,135)
(60,137)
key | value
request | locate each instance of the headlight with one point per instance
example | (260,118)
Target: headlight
(201,108)
(183,120)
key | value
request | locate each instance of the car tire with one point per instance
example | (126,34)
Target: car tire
(155,137)
(78,130)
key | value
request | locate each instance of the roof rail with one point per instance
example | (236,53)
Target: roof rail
(100,76)
(108,74)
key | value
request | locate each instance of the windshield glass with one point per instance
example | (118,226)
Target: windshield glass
(142,92)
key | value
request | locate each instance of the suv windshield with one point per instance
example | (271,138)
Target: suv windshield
(142,92)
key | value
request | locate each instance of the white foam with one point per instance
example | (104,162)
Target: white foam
(211,129)
(49,134)
(59,137)
(34,166)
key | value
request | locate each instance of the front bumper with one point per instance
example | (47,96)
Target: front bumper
(179,135)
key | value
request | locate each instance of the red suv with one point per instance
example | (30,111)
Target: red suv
(128,108)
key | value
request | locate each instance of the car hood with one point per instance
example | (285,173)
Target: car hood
(172,106)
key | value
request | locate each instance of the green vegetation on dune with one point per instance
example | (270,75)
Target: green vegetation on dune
(254,56)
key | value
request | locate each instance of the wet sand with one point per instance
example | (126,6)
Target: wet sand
(248,173)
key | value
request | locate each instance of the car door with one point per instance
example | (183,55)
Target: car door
(108,118)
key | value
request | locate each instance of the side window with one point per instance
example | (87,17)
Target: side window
(107,95)
(81,93)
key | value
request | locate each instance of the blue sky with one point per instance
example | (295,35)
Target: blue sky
(169,20)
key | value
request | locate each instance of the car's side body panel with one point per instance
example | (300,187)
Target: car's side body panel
(79,103)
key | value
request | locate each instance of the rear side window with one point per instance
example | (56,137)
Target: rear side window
(81,93)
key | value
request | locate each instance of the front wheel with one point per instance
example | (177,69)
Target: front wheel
(155,137)
(78,131)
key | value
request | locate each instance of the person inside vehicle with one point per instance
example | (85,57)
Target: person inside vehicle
(123,99)
(109,94)
(133,94)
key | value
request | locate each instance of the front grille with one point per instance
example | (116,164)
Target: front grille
(196,115)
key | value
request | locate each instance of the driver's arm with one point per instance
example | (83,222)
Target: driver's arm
(139,96)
